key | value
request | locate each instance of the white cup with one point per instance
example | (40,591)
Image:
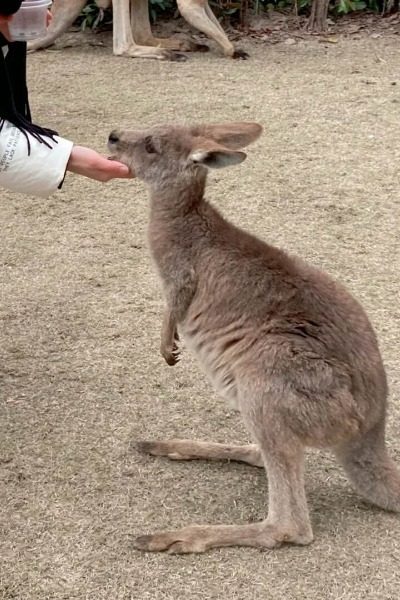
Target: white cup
(30,21)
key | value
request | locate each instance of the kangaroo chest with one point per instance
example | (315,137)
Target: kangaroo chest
(219,351)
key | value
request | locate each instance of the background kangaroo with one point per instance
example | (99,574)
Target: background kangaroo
(284,343)
(132,35)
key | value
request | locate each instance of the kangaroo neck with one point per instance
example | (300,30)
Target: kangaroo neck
(180,224)
(177,199)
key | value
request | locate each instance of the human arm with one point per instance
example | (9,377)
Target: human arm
(38,173)
(4,20)
(42,171)
(34,160)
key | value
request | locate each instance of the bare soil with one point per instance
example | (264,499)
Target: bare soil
(81,375)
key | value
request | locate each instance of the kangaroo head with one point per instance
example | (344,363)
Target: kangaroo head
(162,154)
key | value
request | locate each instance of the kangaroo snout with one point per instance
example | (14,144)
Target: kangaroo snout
(117,148)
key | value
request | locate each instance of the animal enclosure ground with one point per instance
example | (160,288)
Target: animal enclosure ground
(81,375)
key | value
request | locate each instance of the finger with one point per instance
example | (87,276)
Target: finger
(122,171)
(112,170)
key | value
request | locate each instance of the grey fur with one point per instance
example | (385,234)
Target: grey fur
(283,342)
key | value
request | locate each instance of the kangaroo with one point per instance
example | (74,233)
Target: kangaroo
(283,342)
(132,35)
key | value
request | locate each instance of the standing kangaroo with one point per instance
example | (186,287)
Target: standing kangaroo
(132,35)
(284,343)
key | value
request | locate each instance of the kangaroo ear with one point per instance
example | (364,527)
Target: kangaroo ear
(232,135)
(216,158)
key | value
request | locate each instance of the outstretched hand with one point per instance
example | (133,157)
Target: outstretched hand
(4,20)
(88,162)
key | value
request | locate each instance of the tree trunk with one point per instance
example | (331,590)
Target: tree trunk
(318,16)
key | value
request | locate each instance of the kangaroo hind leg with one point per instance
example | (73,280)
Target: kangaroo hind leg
(196,450)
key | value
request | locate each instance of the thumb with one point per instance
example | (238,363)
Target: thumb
(124,170)
(119,169)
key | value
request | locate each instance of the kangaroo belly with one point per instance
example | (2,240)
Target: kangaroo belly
(217,367)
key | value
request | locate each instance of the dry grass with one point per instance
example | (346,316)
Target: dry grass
(80,308)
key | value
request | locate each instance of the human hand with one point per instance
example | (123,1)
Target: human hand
(4,20)
(87,162)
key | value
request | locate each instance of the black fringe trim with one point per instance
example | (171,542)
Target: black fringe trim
(37,132)
(14,103)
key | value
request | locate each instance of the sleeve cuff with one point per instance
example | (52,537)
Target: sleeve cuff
(41,172)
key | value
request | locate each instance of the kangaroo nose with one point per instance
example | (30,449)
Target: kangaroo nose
(113,138)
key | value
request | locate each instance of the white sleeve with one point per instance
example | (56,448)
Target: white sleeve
(41,172)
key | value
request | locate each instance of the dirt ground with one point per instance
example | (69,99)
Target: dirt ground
(81,374)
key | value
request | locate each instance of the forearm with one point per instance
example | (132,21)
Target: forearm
(41,172)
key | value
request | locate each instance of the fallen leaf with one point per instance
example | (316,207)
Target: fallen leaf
(330,40)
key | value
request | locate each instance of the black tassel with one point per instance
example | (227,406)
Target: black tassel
(14,102)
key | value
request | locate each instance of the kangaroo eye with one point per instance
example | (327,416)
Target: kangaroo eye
(149,146)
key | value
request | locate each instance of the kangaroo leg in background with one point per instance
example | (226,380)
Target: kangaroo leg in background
(124,43)
(370,469)
(199,14)
(142,34)
(64,12)
(195,450)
